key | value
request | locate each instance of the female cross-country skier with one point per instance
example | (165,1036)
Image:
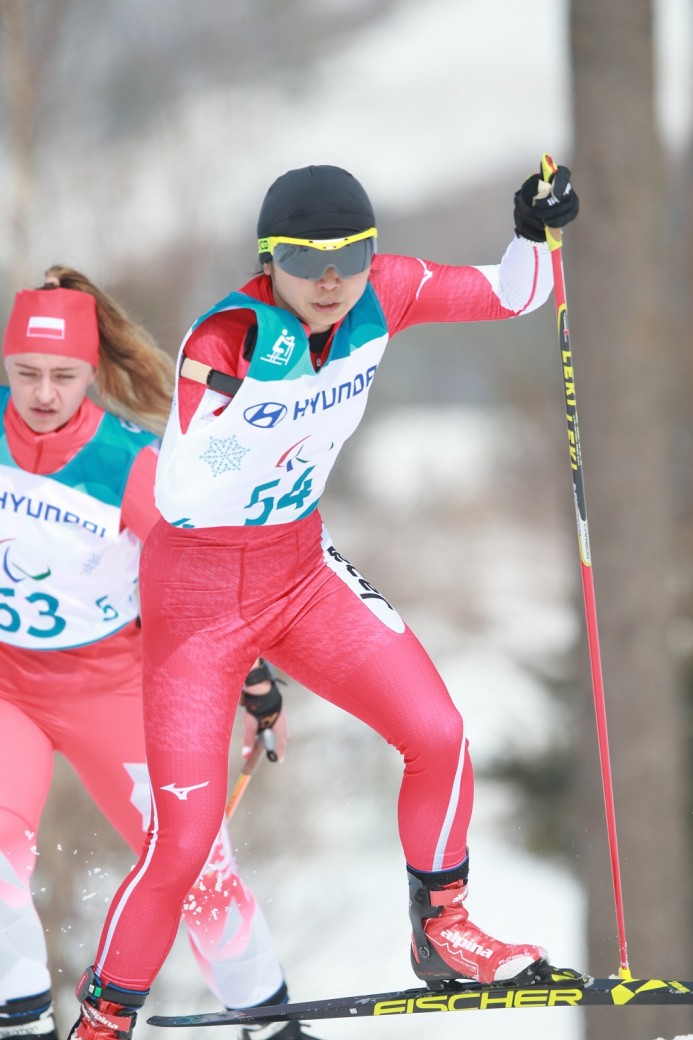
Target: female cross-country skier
(271,382)
(76,503)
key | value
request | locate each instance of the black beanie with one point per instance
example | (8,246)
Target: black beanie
(315,202)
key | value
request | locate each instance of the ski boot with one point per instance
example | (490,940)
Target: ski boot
(103,1016)
(276,1031)
(446,945)
(28,1017)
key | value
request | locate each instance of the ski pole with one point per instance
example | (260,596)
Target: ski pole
(264,742)
(555,241)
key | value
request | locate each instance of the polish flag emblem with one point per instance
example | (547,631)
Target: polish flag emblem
(45,327)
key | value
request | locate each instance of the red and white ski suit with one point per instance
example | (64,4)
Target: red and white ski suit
(216,597)
(86,703)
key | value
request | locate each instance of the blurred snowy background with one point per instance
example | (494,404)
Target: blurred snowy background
(138,139)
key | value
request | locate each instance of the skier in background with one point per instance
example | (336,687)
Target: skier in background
(271,382)
(76,503)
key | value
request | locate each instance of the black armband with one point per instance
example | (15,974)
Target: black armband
(90,988)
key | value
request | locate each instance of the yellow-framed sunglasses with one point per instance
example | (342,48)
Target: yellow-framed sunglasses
(305,257)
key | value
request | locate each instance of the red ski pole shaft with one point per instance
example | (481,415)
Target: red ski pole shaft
(555,243)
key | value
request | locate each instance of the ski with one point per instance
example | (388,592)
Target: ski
(563,988)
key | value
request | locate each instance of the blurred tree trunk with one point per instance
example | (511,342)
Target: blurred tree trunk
(29,43)
(681,231)
(18,85)
(619,269)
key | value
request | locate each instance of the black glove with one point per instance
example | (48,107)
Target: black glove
(534,213)
(265,707)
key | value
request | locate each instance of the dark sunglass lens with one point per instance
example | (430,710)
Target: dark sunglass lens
(305,262)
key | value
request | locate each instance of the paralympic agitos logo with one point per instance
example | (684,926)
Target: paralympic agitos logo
(15,572)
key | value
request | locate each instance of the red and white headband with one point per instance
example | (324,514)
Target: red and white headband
(53,321)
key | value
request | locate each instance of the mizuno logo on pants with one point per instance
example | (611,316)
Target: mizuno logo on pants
(182,792)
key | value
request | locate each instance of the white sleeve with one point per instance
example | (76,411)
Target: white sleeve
(523,280)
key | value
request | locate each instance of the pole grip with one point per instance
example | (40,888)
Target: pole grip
(554,236)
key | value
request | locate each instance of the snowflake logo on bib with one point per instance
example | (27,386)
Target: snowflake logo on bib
(91,564)
(224,453)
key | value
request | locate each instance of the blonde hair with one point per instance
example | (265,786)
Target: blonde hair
(135,376)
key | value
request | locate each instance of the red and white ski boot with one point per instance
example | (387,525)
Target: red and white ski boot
(101,1016)
(446,945)
(104,1020)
